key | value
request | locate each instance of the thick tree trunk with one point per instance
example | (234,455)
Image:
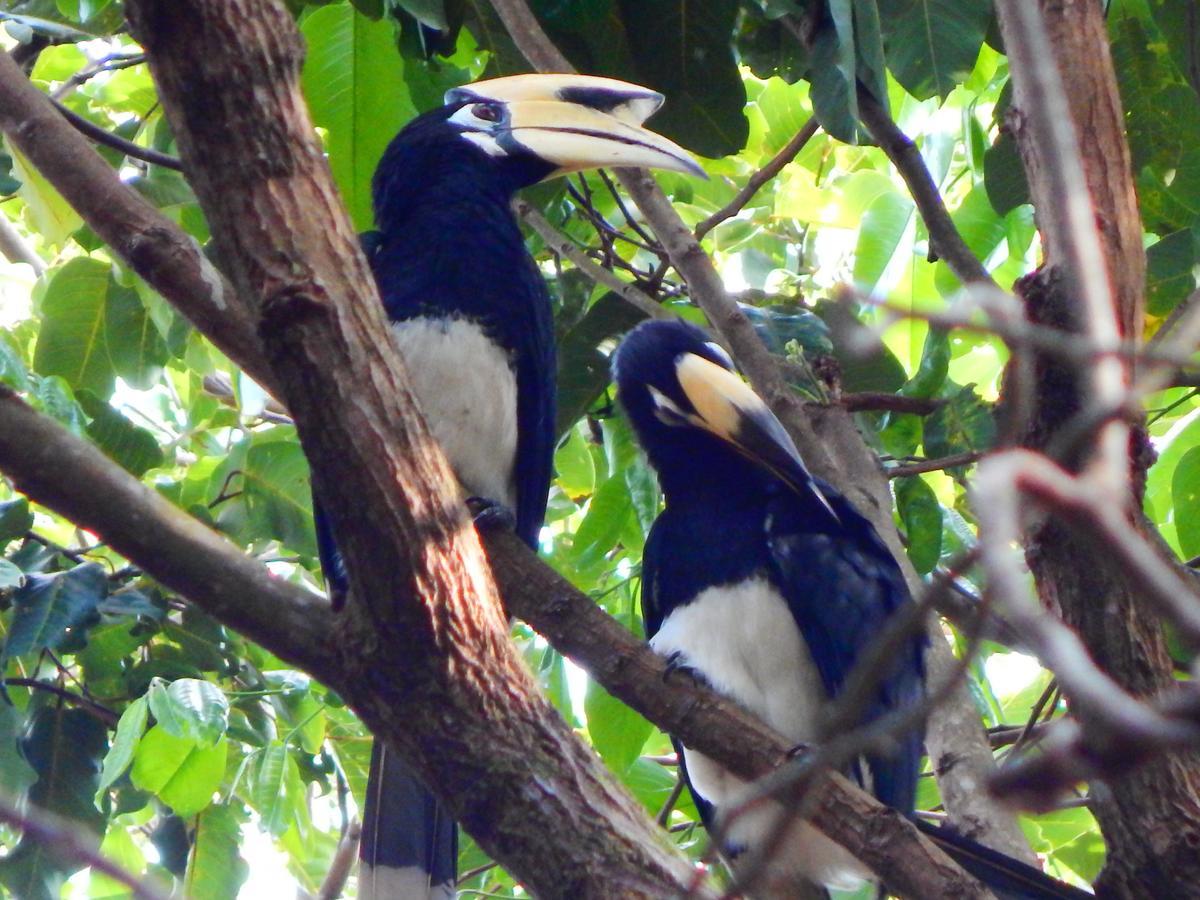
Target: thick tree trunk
(425,655)
(1151,819)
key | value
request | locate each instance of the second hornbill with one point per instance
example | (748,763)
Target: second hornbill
(472,319)
(766,583)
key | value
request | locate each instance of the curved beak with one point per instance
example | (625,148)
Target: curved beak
(728,408)
(574,137)
(579,122)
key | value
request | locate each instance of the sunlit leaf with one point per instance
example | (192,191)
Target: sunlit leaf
(179,771)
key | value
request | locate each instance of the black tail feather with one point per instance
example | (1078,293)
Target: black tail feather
(409,841)
(1008,878)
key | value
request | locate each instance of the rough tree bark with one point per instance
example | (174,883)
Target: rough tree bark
(424,651)
(1151,818)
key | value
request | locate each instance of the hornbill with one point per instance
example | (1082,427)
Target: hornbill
(471,317)
(766,583)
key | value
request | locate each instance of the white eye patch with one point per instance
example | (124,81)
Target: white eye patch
(667,411)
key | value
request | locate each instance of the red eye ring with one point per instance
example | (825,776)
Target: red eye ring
(488,112)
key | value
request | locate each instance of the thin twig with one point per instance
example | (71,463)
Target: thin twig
(116,142)
(935,465)
(64,839)
(98,710)
(774,166)
(562,245)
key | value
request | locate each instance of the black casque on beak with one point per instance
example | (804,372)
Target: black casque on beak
(573,122)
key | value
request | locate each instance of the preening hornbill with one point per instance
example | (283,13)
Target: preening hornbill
(766,582)
(472,320)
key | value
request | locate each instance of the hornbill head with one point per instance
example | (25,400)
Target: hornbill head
(568,122)
(675,382)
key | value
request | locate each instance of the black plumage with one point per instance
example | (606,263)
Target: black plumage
(767,583)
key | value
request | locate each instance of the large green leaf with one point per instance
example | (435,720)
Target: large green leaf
(129,732)
(15,519)
(617,732)
(93,330)
(277,494)
(277,792)
(190,708)
(16,775)
(885,236)
(48,213)
(216,869)
(1185,494)
(833,73)
(48,607)
(64,746)
(921,515)
(179,771)
(683,49)
(1170,276)
(353,80)
(932,44)
(132,447)
(962,424)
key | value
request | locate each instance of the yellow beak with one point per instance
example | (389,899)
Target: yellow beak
(728,408)
(578,122)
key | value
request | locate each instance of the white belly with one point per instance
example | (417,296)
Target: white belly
(467,389)
(745,642)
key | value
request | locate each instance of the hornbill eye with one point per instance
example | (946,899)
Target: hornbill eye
(488,112)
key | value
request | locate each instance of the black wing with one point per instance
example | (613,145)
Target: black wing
(843,586)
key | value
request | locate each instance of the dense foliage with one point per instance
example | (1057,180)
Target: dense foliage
(193,754)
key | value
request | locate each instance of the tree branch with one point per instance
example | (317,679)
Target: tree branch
(754,183)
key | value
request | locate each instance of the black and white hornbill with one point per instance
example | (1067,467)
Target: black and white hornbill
(471,317)
(766,583)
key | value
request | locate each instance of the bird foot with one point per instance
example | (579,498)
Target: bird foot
(676,664)
(491,514)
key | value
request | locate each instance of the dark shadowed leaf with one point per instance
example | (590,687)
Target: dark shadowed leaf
(48,607)
(132,447)
(15,519)
(963,423)
(833,73)
(932,44)
(64,746)
(1169,271)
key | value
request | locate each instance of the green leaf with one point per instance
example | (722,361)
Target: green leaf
(53,396)
(190,708)
(884,235)
(962,424)
(1169,271)
(1004,175)
(607,512)
(932,44)
(179,771)
(582,369)
(270,787)
(46,210)
(132,447)
(921,515)
(16,775)
(49,607)
(683,50)
(833,73)
(301,708)
(12,367)
(1185,495)
(15,519)
(11,575)
(64,746)
(135,347)
(353,80)
(216,869)
(71,343)
(129,732)
(573,465)
(934,366)
(617,732)
(277,494)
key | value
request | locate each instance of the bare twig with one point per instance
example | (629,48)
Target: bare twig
(944,238)
(878,401)
(934,465)
(64,839)
(562,245)
(108,139)
(15,249)
(96,709)
(754,183)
